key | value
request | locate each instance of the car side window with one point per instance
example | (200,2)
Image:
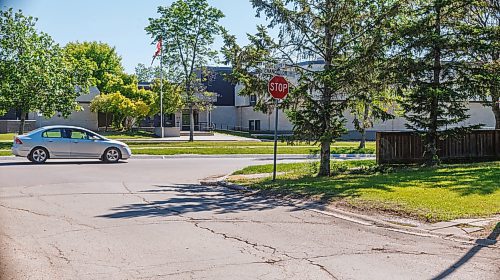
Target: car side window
(78,134)
(52,133)
(93,136)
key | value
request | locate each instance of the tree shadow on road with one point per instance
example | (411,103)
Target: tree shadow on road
(480,244)
(194,199)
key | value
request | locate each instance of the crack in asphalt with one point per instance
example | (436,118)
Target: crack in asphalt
(225,236)
(255,246)
(60,253)
(392,251)
(322,267)
(24,210)
(277,257)
(135,194)
(284,256)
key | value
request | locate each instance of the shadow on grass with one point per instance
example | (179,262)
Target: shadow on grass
(474,179)
(324,189)
(193,199)
(5,145)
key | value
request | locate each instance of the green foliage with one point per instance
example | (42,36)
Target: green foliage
(188,29)
(481,25)
(125,110)
(324,31)
(35,73)
(172,99)
(143,73)
(148,74)
(371,95)
(100,58)
(434,76)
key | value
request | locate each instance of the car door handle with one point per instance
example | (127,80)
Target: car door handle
(75,142)
(50,141)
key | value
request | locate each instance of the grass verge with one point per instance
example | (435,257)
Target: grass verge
(242,147)
(432,194)
(7,136)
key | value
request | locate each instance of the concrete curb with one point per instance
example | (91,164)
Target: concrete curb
(355,217)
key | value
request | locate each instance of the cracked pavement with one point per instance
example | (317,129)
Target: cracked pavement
(151,219)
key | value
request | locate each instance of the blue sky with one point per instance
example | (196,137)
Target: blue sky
(121,23)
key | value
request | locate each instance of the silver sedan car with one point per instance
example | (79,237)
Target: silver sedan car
(68,142)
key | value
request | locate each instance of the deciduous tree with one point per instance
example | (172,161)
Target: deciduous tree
(188,29)
(101,58)
(35,75)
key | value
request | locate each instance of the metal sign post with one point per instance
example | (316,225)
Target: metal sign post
(161,94)
(278,88)
(275,138)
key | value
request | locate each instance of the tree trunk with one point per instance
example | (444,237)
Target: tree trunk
(191,123)
(22,122)
(430,154)
(324,166)
(362,143)
(106,120)
(326,138)
(495,107)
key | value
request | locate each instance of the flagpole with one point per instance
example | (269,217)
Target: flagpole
(161,92)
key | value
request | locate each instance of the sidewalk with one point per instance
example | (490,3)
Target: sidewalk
(217,137)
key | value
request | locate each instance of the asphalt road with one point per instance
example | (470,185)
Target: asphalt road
(150,219)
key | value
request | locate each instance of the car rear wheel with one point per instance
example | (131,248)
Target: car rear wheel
(38,155)
(111,155)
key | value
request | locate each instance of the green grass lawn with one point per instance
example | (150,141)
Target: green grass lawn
(7,136)
(127,135)
(432,194)
(225,148)
(242,147)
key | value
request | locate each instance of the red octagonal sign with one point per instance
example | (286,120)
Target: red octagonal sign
(278,87)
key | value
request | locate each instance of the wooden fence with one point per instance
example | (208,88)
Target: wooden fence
(408,147)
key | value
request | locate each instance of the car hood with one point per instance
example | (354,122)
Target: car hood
(116,142)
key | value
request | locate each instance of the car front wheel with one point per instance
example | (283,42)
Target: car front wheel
(111,155)
(38,155)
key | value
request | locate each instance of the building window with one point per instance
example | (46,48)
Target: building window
(254,125)
(253,100)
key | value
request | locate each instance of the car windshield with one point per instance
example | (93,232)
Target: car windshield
(100,136)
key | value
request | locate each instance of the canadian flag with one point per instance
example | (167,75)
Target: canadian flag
(158,50)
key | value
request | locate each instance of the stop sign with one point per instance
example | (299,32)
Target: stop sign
(278,87)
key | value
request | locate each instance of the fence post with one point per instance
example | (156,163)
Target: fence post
(496,143)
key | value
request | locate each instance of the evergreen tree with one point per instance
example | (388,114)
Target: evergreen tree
(482,28)
(433,78)
(327,33)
